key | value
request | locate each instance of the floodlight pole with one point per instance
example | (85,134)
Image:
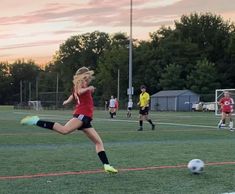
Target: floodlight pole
(130,55)
(57,89)
(21,92)
(118,85)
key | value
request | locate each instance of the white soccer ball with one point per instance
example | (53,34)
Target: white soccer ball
(196,166)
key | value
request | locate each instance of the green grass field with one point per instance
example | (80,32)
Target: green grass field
(142,157)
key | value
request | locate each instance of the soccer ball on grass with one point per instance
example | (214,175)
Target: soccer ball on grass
(196,166)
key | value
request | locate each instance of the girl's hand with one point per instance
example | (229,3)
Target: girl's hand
(65,102)
(78,101)
(77,98)
(91,88)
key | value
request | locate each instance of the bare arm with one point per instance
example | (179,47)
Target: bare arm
(83,90)
(69,99)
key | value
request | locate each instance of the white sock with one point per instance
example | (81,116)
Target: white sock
(220,122)
(231,124)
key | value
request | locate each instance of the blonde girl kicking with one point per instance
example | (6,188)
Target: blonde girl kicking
(82,116)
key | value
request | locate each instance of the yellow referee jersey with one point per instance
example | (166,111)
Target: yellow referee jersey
(144,99)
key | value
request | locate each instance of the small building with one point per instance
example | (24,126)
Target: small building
(174,100)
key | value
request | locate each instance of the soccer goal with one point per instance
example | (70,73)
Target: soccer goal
(219,93)
(35,105)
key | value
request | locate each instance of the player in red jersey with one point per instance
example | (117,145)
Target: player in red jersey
(82,116)
(226,103)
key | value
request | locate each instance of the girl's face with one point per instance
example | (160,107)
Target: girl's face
(226,94)
(86,82)
(143,90)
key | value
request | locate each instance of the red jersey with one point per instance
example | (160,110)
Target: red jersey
(226,104)
(86,106)
(116,104)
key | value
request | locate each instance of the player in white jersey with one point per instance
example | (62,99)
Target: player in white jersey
(129,108)
(112,103)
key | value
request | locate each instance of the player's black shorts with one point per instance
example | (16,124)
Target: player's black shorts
(227,112)
(86,121)
(129,108)
(145,111)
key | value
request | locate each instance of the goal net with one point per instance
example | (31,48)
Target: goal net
(35,105)
(219,93)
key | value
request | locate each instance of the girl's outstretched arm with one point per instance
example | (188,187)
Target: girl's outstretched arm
(69,99)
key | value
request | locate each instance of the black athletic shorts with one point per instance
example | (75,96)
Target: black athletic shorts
(227,112)
(86,121)
(145,111)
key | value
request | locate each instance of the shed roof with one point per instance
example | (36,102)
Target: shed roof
(174,93)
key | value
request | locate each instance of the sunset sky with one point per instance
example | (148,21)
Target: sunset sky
(32,29)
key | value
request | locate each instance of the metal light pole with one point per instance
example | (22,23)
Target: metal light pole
(30,88)
(130,55)
(57,89)
(21,92)
(118,87)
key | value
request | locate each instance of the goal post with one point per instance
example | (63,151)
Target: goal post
(35,105)
(219,93)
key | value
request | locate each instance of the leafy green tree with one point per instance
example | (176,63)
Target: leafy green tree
(47,79)
(195,37)
(204,78)
(24,72)
(5,84)
(172,78)
(230,76)
(210,32)
(113,60)
(212,35)
(78,51)
(174,50)
(147,66)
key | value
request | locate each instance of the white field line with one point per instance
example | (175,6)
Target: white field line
(229,193)
(60,117)
(158,123)
(43,115)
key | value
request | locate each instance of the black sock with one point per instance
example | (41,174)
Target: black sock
(103,157)
(223,121)
(141,123)
(150,121)
(45,124)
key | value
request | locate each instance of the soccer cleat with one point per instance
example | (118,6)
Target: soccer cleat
(231,125)
(153,126)
(110,169)
(140,129)
(221,125)
(29,120)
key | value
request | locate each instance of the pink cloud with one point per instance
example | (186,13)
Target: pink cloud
(65,31)
(58,12)
(4,36)
(106,12)
(31,44)
(69,17)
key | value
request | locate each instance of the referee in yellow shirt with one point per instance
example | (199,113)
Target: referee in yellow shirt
(144,108)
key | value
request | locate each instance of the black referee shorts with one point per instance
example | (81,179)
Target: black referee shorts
(145,111)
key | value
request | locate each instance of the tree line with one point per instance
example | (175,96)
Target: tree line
(197,53)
